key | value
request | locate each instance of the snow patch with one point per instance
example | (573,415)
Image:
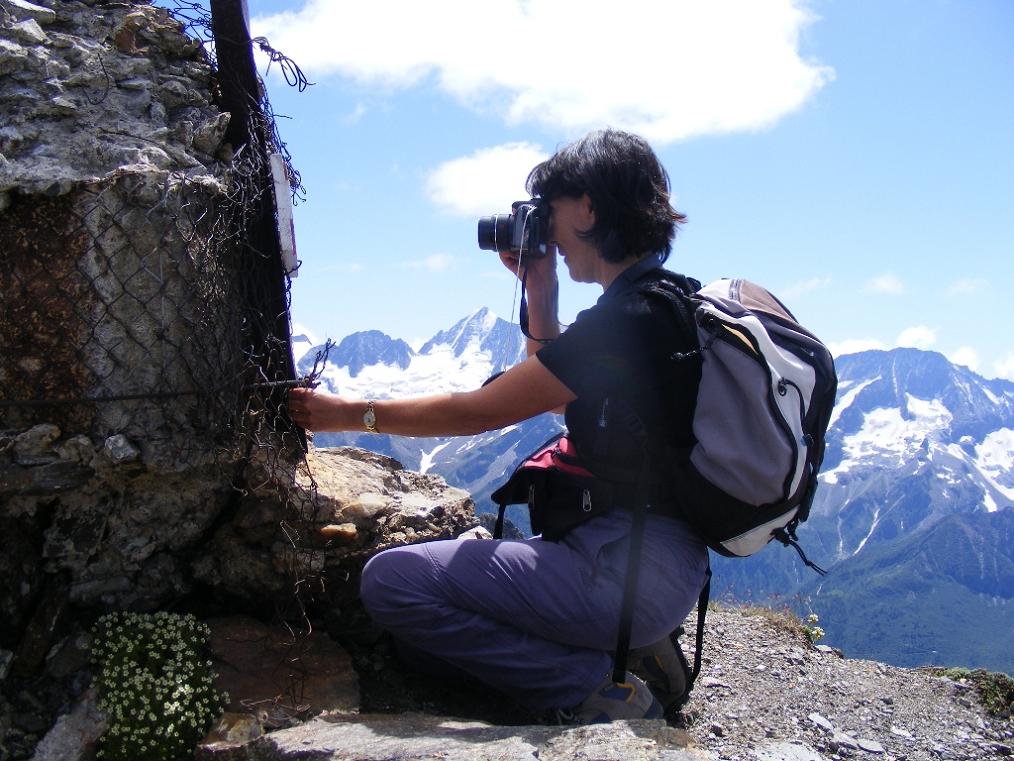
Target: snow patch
(437,372)
(426,460)
(994,458)
(885,433)
(845,400)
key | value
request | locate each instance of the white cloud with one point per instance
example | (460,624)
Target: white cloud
(434,263)
(968,286)
(798,289)
(486,182)
(886,283)
(668,69)
(346,268)
(354,116)
(917,337)
(965,355)
(854,346)
(1004,368)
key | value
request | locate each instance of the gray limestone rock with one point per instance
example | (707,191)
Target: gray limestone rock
(75,735)
(119,449)
(34,446)
(416,737)
(786,752)
(22,9)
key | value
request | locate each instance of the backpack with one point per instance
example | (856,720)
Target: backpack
(764,403)
(766,393)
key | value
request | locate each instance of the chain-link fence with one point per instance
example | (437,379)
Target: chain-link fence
(154,305)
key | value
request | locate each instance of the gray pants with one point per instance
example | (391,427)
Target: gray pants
(536,620)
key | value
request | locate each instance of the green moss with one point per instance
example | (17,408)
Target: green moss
(995,690)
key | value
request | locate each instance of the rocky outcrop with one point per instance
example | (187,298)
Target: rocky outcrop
(414,737)
(90,88)
(252,555)
(765,694)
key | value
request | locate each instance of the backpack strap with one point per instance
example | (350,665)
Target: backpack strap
(630,580)
(702,612)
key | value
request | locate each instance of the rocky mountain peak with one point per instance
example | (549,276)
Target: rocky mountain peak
(371,347)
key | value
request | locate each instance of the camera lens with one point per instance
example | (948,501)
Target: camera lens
(495,232)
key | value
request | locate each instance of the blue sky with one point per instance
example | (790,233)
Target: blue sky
(857,158)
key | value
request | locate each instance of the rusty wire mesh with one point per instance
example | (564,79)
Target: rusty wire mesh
(148,305)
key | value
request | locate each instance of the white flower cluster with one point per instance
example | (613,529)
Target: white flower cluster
(153,684)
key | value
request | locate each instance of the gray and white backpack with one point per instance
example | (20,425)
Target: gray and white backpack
(766,394)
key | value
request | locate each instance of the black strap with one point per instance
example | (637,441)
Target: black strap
(789,540)
(523,315)
(498,528)
(629,593)
(702,612)
(630,582)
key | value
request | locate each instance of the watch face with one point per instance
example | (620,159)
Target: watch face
(369,418)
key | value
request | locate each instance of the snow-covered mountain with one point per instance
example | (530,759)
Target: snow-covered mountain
(371,364)
(375,366)
(913,517)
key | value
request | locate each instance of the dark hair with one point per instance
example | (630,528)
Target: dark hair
(628,188)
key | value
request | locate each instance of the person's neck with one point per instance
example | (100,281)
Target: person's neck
(612,270)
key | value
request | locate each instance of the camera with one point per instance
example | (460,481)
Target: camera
(525,230)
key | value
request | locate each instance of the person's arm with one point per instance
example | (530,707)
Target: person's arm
(522,392)
(543,288)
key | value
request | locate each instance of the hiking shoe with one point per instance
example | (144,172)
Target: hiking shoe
(666,670)
(610,701)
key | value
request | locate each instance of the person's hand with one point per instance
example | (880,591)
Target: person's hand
(315,410)
(541,270)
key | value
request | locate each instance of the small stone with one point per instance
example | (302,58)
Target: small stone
(710,681)
(22,8)
(786,751)
(76,449)
(901,732)
(340,531)
(870,746)
(135,83)
(119,449)
(29,32)
(828,650)
(477,532)
(717,730)
(209,135)
(63,106)
(821,722)
(33,447)
(842,740)
(232,730)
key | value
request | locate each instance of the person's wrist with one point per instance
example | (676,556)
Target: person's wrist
(545,294)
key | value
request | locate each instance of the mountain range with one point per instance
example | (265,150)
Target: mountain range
(913,517)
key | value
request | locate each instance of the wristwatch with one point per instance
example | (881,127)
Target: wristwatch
(370,418)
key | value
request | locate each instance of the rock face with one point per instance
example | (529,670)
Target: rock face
(140,467)
(113,464)
(126,73)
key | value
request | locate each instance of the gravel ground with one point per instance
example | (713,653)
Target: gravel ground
(765,692)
